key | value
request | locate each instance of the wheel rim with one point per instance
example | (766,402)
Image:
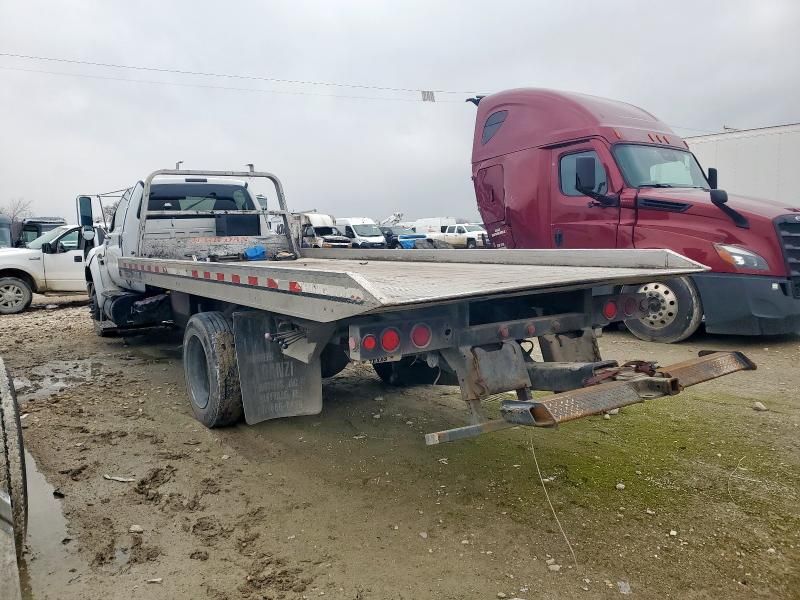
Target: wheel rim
(662,305)
(12,296)
(197,370)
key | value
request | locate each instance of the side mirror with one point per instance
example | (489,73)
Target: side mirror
(87,233)
(47,248)
(584,174)
(84,205)
(718,197)
(712,178)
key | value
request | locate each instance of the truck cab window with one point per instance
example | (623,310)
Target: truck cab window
(567,170)
(67,242)
(348,231)
(493,124)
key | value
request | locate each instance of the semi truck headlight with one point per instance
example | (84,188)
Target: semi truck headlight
(741,258)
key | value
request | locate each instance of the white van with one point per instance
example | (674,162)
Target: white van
(363,233)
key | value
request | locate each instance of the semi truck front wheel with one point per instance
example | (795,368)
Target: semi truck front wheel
(209,365)
(674,311)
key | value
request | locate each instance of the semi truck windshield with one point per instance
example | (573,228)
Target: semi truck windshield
(656,166)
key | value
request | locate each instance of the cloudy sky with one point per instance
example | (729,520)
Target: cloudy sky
(697,65)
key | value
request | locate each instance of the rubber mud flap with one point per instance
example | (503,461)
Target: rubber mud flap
(273,385)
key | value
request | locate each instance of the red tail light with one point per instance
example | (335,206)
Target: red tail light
(369,343)
(630,306)
(390,339)
(421,335)
(610,309)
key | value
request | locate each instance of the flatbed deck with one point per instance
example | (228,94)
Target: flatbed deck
(327,285)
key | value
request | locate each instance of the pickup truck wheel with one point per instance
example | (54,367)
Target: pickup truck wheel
(674,311)
(471,244)
(209,364)
(15,295)
(12,458)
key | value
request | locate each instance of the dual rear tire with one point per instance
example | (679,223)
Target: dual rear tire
(212,375)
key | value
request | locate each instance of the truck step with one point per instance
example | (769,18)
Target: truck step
(631,387)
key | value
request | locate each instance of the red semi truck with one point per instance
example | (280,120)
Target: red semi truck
(565,170)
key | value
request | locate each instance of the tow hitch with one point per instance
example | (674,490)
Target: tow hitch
(610,388)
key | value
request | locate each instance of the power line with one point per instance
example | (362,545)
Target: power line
(228,75)
(223,87)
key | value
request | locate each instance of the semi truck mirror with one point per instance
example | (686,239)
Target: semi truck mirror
(719,196)
(88,233)
(584,174)
(712,178)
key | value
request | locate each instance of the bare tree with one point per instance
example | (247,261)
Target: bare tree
(16,210)
(109,208)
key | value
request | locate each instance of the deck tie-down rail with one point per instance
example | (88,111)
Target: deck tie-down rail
(631,388)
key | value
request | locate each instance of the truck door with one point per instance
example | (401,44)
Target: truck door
(576,221)
(63,265)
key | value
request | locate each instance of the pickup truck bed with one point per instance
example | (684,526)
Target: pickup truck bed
(331,284)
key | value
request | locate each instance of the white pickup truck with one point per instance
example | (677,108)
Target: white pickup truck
(460,236)
(52,263)
(260,336)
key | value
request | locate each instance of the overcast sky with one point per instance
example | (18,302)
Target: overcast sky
(697,65)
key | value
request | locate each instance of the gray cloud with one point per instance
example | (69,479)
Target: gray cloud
(695,65)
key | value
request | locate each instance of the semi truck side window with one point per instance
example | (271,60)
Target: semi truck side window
(493,124)
(567,169)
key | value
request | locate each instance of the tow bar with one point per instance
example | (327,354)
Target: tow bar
(622,386)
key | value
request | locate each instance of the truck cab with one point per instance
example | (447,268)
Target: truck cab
(320,231)
(362,232)
(563,170)
(34,227)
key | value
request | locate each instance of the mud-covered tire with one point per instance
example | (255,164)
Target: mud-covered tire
(13,479)
(15,295)
(97,317)
(209,365)
(674,311)
(408,371)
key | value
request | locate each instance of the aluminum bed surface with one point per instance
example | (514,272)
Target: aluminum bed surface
(346,283)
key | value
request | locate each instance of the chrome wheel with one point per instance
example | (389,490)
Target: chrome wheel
(12,297)
(662,305)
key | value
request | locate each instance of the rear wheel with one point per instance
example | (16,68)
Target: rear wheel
(12,458)
(15,295)
(471,244)
(209,365)
(674,311)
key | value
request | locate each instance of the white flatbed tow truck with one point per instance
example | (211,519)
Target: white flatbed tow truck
(260,336)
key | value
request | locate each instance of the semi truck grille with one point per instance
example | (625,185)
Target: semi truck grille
(788,227)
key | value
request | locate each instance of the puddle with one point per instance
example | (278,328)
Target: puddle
(53,377)
(48,566)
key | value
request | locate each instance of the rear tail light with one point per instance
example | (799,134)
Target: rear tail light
(610,310)
(421,335)
(630,306)
(369,343)
(390,339)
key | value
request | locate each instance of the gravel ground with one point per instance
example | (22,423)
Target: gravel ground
(688,497)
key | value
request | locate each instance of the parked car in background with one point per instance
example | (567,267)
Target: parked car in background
(398,236)
(52,263)
(320,231)
(461,236)
(362,232)
(5,232)
(34,227)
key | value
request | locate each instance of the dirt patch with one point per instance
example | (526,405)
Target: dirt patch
(339,502)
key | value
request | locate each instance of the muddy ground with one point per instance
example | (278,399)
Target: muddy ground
(351,503)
